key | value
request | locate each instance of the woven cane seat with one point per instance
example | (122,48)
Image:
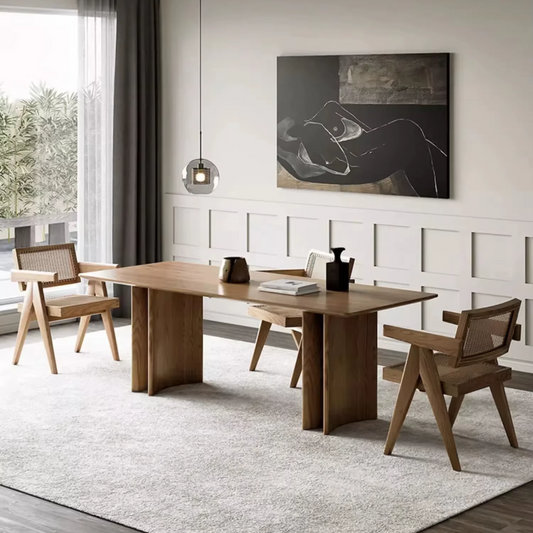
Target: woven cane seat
(280,316)
(456,381)
(77,306)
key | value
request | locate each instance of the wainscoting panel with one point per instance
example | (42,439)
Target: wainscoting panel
(186,226)
(301,235)
(265,234)
(492,256)
(440,251)
(448,300)
(469,262)
(227,230)
(529,323)
(354,236)
(392,247)
(529,259)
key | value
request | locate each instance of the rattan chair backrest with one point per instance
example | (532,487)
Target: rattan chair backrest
(487,333)
(60,258)
(316,264)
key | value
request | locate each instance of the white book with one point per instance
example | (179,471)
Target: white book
(289,285)
(310,290)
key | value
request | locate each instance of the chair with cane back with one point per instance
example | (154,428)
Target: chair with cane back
(41,267)
(440,365)
(289,318)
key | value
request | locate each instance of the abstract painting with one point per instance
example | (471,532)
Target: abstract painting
(365,123)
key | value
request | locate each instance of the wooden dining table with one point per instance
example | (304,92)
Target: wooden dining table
(340,334)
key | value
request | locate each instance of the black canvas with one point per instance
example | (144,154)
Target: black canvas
(365,123)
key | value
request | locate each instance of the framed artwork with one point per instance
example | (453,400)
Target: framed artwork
(365,123)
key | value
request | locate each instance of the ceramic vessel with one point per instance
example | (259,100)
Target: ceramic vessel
(337,273)
(234,270)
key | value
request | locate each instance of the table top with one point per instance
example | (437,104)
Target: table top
(202,280)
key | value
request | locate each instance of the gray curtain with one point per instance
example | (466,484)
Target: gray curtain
(136,141)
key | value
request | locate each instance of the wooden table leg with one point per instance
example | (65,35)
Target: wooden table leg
(175,340)
(312,378)
(350,370)
(139,339)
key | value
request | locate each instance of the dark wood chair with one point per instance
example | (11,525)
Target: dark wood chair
(40,267)
(289,318)
(439,365)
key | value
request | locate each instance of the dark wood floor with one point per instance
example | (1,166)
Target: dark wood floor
(22,513)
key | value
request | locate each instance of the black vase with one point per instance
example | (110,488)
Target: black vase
(337,273)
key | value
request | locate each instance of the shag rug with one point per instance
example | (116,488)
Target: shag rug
(228,455)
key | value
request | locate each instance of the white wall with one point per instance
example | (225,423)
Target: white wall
(474,249)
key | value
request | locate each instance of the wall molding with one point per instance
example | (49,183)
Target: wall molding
(469,262)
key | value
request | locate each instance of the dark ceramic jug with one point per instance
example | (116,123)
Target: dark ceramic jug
(234,270)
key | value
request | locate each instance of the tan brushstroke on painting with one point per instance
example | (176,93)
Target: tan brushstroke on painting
(395,184)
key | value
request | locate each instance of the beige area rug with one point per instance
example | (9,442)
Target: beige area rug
(228,456)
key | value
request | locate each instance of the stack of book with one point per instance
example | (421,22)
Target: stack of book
(290,287)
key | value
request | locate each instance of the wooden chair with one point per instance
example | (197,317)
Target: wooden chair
(40,267)
(289,318)
(440,365)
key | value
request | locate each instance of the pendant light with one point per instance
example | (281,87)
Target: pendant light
(200,176)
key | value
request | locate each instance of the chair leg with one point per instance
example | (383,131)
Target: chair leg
(24,324)
(432,384)
(500,399)
(262,334)
(44,325)
(100,289)
(297,367)
(407,390)
(82,330)
(110,330)
(453,410)
(84,320)
(297,337)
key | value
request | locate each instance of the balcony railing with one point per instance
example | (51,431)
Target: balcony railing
(58,232)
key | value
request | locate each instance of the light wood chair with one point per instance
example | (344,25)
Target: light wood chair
(41,267)
(440,365)
(289,318)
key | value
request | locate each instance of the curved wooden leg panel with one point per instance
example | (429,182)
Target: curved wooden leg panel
(312,371)
(350,370)
(175,340)
(139,339)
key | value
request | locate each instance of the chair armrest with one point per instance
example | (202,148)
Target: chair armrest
(86,267)
(450,317)
(439,343)
(26,276)
(288,272)
(453,318)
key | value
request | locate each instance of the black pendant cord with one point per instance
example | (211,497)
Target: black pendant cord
(200,80)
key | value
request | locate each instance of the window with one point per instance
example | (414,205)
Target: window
(38,134)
